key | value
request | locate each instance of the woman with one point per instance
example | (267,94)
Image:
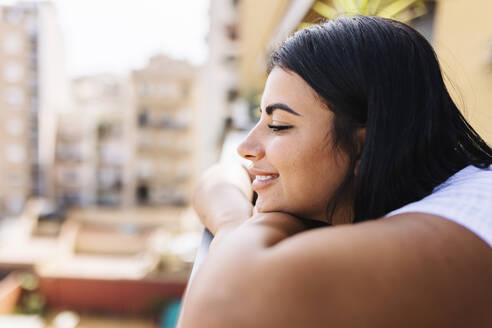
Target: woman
(356,125)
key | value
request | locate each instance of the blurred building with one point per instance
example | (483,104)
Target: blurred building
(463,41)
(34,87)
(165,101)
(219,82)
(93,263)
(75,160)
(95,144)
(260,36)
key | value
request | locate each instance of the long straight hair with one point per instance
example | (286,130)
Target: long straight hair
(382,75)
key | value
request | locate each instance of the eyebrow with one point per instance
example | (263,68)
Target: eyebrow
(271,108)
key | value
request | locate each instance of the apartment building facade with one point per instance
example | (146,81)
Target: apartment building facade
(95,144)
(219,82)
(165,106)
(34,87)
(75,165)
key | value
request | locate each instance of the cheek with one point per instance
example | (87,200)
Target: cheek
(304,161)
(282,152)
(284,157)
(312,175)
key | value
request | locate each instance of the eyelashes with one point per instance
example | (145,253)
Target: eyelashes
(276,128)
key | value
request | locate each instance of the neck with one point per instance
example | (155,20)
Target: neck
(342,215)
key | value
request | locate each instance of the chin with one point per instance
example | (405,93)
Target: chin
(263,206)
(267,205)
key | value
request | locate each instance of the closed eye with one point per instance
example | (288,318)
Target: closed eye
(276,128)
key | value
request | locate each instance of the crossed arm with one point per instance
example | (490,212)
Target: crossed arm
(413,270)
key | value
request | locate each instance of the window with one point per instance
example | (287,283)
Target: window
(112,152)
(14,96)
(143,118)
(230,59)
(170,90)
(68,177)
(71,197)
(232,31)
(15,179)
(13,72)
(145,169)
(31,25)
(13,16)
(12,44)
(232,94)
(70,151)
(14,204)
(14,126)
(15,153)
(109,177)
(143,194)
(144,89)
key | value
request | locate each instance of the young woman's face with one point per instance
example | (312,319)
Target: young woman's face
(296,167)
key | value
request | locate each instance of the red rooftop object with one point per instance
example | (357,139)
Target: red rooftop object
(112,296)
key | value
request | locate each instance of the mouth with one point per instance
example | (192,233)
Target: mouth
(263,181)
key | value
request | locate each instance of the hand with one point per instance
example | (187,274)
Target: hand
(222,199)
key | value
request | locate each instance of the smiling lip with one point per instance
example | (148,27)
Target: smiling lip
(262,179)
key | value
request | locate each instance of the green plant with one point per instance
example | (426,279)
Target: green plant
(32,301)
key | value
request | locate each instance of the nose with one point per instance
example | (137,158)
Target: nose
(251,149)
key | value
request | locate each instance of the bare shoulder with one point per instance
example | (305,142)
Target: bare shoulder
(408,270)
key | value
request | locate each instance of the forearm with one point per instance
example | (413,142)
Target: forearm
(265,230)
(239,253)
(230,210)
(259,232)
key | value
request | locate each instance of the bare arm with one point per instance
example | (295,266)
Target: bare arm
(412,270)
(222,199)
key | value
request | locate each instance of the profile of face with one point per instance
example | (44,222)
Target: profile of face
(297,169)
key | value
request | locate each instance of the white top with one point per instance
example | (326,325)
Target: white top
(465,198)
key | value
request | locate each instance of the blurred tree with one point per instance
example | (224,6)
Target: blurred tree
(402,10)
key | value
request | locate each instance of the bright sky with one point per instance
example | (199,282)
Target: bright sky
(120,35)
